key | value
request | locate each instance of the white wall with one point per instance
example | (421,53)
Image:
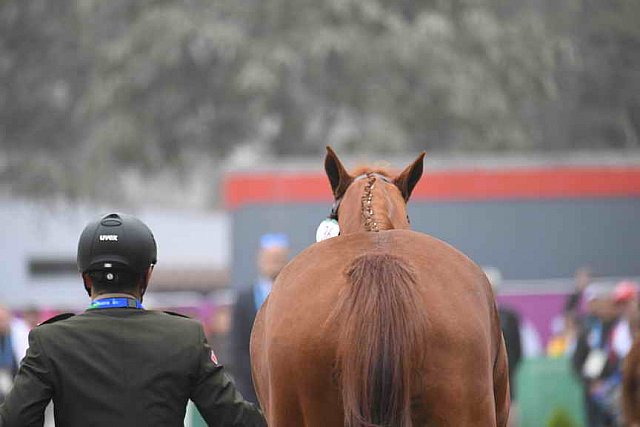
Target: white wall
(51,231)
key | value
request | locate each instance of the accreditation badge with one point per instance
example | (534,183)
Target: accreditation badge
(594,365)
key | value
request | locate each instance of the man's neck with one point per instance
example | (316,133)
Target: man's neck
(113,295)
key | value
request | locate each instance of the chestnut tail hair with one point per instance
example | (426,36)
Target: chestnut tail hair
(381,332)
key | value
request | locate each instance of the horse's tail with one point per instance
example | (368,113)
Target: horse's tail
(631,385)
(380,334)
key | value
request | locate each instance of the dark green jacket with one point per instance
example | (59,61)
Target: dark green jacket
(123,367)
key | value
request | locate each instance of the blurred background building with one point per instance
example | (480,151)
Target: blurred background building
(209,121)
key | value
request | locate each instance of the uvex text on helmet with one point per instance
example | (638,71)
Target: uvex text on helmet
(116,241)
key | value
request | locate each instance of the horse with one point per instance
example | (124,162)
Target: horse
(381,325)
(631,385)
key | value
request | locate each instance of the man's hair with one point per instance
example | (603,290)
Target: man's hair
(123,281)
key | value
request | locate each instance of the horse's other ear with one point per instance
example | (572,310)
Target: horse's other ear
(409,177)
(338,175)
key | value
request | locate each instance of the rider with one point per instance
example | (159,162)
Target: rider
(118,364)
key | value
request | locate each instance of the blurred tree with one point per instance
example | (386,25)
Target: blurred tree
(43,72)
(131,90)
(294,75)
(609,103)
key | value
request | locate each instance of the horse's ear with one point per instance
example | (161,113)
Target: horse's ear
(409,177)
(338,175)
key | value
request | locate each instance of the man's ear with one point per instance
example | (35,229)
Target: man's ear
(338,176)
(409,177)
(88,284)
(147,276)
(145,281)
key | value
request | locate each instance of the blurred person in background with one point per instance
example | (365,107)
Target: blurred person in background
(14,342)
(595,360)
(530,340)
(510,325)
(272,256)
(218,329)
(117,364)
(625,296)
(564,336)
(566,326)
(32,316)
(582,278)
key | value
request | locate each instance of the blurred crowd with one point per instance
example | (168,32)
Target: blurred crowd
(595,331)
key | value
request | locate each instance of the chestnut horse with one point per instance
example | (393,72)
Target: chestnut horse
(631,386)
(380,326)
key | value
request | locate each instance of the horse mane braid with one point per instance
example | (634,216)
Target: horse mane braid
(368,217)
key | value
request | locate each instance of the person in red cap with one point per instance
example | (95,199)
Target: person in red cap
(626,291)
(595,360)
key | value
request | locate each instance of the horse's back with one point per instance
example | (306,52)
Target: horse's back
(445,277)
(330,258)
(296,336)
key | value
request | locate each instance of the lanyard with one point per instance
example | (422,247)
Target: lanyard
(115,303)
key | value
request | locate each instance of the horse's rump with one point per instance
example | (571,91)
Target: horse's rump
(375,325)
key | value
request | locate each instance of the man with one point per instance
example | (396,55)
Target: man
(582,278)
(595,360)
(272,257)
(572,309)
(118,364)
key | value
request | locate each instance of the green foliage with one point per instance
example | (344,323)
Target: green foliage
(144,86)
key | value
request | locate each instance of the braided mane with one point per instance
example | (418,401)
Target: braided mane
(366,209)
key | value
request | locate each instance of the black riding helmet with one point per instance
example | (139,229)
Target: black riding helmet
(116,242)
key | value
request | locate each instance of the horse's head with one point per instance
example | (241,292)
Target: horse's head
(370,199)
